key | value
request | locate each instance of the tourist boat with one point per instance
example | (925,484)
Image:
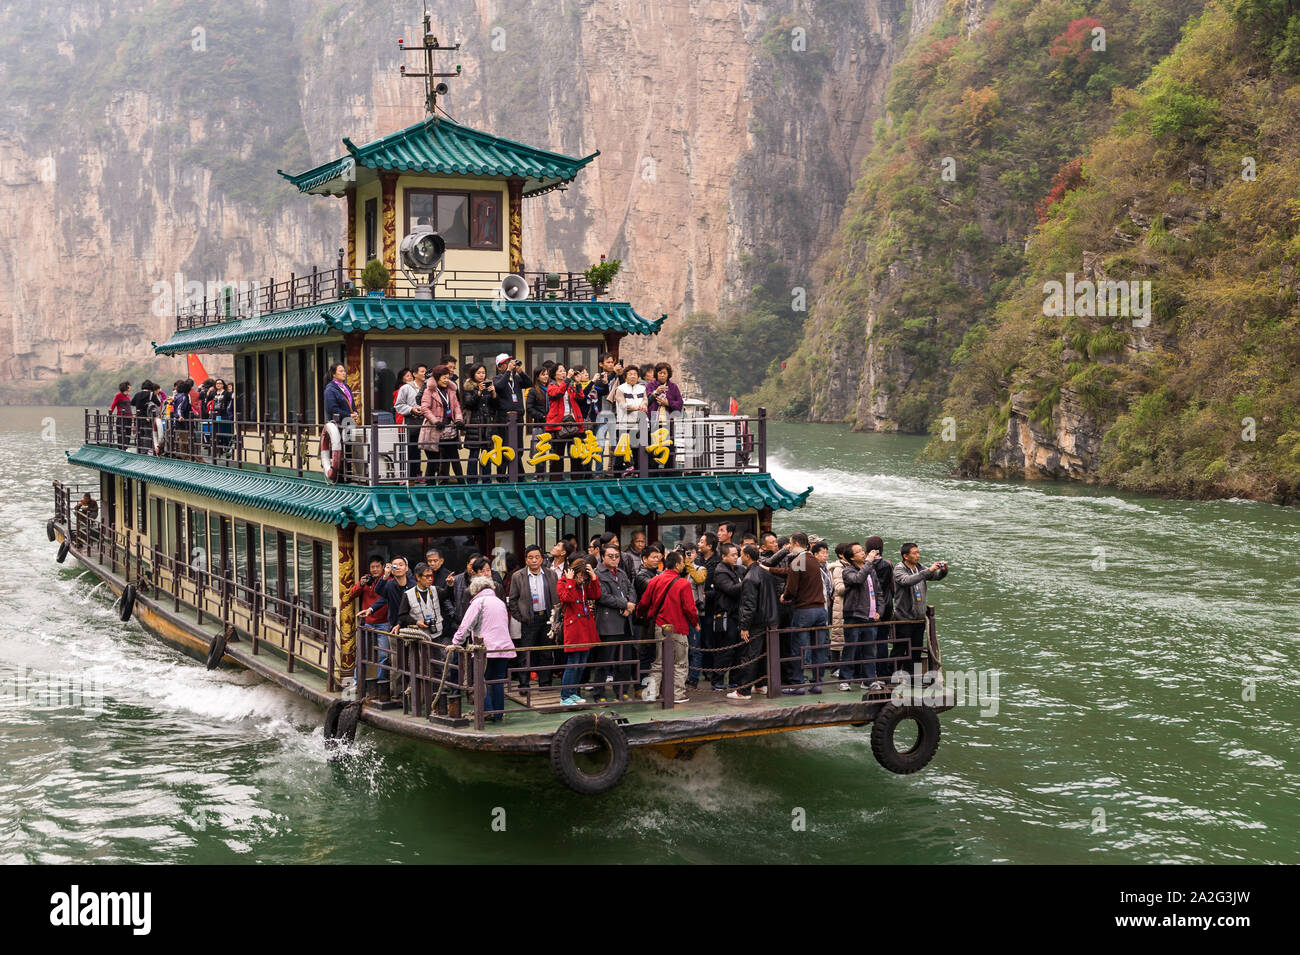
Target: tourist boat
(239,541)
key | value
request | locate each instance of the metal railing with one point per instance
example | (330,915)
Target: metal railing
(394,454)
(223,302)
(304,635)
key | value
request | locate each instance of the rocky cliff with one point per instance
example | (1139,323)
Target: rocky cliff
(139,142)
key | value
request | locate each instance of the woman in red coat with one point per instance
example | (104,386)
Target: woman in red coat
(566,401)
(578,590)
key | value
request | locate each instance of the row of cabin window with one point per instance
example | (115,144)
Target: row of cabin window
(465,220)
(287,563)
(287,384)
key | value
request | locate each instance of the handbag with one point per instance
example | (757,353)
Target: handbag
(569,424)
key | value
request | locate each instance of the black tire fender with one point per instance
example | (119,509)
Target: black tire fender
(882,738)
(62,555)
(127,603)
(49,530)
(216,650)
(349,716)
(332,718)
(564,749)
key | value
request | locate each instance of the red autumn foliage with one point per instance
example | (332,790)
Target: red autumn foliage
(1069,176)
(1074,45)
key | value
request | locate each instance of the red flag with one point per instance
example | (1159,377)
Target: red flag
(195,369)
(734,407)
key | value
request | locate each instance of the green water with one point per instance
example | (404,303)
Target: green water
(1124,632)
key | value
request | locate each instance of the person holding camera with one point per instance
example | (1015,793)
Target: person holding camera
(564,421)
(444,423)
(910,583)
(578,590)
(479,401)
(510,383)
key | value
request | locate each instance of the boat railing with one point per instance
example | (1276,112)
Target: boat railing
(400,454)
(432,678)
(231,301)
(290,626)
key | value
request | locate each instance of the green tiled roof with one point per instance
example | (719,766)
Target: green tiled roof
(444,147)
(412,314)
(343,505)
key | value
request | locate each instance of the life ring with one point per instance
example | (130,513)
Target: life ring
(331,451)
(49,530)
(63,552)
(216,650)
(159,436)
(127,603)
(921,752)
(586,728)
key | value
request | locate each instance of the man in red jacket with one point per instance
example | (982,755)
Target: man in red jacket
(671,602)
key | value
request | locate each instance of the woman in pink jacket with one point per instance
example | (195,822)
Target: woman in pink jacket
(443,423)
(487,619)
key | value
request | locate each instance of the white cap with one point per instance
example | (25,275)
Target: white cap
(502,357)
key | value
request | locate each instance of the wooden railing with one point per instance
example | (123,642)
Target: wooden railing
(385,454)
(304,635)
(231,302)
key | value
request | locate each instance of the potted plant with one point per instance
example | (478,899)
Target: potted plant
(600,274)
(375,278)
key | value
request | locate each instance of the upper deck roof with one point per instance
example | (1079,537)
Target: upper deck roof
(398,314)
(393,506)
(442,147)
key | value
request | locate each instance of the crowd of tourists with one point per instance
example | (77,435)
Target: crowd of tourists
(558,406)
(593,621)
(188,407)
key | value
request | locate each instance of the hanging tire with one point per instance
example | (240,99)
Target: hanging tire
(62,555)
(920,753)
(216,650)
(332,718)
(349,716)
(49,530)
(127,603)
(566,744)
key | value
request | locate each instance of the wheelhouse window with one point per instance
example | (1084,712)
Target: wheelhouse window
(246,390)
(270,387)
(465,220)
(299,393)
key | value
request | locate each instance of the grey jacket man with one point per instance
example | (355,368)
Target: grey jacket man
(615,594)
(520,598)
(910,589)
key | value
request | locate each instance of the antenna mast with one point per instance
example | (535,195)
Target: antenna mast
(430,44)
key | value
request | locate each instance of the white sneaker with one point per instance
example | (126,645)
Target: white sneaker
(844,687)
(760,690)
(737,695)
(877,685)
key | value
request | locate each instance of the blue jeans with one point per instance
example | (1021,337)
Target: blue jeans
(858,663)
(813,645)
(494,675)
(381,641)
(576,665)
(695,656)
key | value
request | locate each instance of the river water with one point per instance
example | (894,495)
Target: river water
(1134,660)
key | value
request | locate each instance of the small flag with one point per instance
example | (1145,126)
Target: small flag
(734,407)
(195,369)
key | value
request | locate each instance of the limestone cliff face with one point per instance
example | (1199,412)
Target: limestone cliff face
(140,140)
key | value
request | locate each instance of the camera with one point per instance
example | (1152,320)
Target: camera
(368,579)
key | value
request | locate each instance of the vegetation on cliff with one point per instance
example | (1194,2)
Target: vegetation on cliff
(1193,190)
(979,120)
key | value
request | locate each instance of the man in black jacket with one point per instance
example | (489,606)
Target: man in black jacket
(651,564)
(614,608)
(509,384)
(707,548)
(862,606)
(532,596)
(759,611)
(726,604)
(910,582)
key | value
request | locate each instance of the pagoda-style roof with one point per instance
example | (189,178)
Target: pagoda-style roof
(407,314)
(440,146)
(391,506)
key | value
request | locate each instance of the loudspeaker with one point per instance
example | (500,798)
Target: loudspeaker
(514,288)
